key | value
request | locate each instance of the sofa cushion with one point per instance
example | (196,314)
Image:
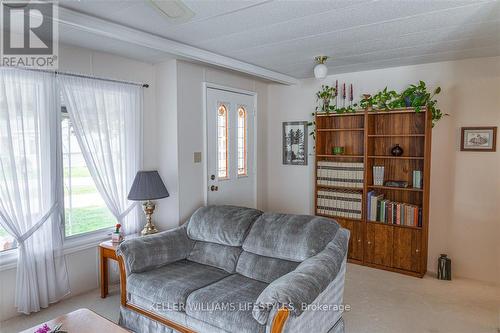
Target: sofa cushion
(216,255)
(168,287)
(227,304)
(289,237)
(262,268)
(227,225)
(301,286)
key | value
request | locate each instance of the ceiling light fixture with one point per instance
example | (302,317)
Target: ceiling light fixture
(174,9)
(320,70)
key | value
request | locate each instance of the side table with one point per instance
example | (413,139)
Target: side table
(107,250)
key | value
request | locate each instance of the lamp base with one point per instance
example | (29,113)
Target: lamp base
(149,228)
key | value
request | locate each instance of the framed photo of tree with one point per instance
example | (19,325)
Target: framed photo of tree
(295,142)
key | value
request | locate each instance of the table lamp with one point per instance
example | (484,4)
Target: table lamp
(148,186)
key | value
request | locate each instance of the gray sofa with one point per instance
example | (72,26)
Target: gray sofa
(231,269)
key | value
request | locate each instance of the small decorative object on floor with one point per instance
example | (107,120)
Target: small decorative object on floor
(46,329)
(295,143)
(478,139)
(444,267)
(378,175)
(338,150)
(397,150)
(417,179)
(396,183)
(116,237)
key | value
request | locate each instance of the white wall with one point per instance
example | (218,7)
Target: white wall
(83,264)
(465,186)
(189,131)
(167,212)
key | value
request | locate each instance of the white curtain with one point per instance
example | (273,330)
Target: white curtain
(30,185)
(107,119)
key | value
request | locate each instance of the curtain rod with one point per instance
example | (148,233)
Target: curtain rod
(144,85)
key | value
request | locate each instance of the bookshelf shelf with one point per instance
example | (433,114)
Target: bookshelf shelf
(368,137)
(395,111)
(340,188)
(411,189)
(339,129)
(339,156)
(396,135)
(357,113)
(397,157)
(339,217)
(395,225)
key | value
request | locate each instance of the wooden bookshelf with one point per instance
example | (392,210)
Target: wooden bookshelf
(368,136)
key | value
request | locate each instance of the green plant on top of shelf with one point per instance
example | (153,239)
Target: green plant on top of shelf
(415,96)
(386,100)
(325,97)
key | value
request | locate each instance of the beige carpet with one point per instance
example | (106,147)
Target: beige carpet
(381,302)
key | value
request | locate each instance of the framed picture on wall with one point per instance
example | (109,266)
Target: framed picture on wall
(478,139)
(295,142)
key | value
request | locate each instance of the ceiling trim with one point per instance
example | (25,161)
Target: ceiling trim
(94,25)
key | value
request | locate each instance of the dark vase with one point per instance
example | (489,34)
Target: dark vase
(397,150)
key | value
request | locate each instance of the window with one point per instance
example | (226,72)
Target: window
(84,208)
(242,141)
(222,144)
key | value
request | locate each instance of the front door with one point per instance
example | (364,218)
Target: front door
(230,149)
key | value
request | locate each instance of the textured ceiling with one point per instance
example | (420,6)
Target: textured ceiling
(285,36)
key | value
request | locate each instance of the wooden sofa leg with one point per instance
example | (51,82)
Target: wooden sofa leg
(123,281)
(279,320)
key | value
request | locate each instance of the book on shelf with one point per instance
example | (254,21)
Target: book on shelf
(382,210)
(417,179)
(339,203)
(378,175)
(340,174)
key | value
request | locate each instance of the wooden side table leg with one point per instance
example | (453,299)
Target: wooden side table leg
(104,273)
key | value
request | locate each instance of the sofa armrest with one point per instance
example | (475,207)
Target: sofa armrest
(144,253)
(302,286)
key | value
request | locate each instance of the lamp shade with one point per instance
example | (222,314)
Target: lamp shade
(147,186)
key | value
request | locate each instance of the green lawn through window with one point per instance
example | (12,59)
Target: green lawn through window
(85,219)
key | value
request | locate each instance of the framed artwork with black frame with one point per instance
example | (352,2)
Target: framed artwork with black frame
(478,139)
(295,143)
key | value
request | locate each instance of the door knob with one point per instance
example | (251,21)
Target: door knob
(212,177)
(214,188)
